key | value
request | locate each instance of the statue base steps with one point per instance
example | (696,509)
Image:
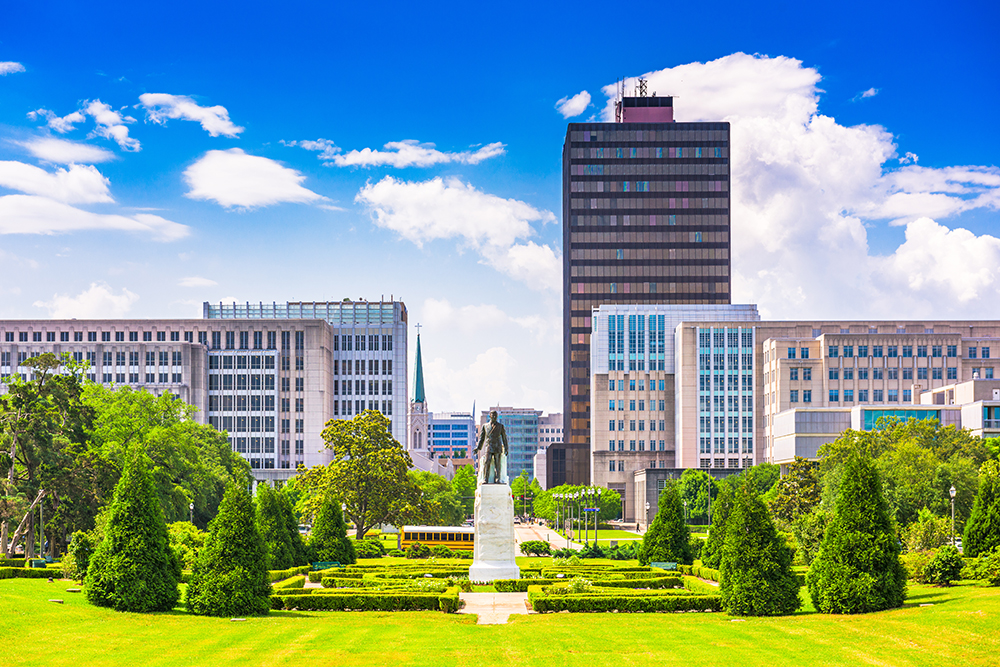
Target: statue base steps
(495,546)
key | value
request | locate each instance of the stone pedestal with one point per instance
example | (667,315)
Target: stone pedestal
(494,545)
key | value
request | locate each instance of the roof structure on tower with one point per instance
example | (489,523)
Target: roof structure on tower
(418,391)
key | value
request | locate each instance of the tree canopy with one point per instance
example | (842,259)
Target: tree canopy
(668,538)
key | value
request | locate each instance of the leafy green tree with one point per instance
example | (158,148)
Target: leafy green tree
(272,528)
(809,530)
(982,531)
(797,493)
(134,568)
(368,473)
(711,552)
(761,477)
(186,540)
(858,569)
(698,490)
(464,486)
(230,577)
(443,503)
(928,532)
(755,573)
(609,503)
(668,538)
(329,533)
(945,567)
(300,553)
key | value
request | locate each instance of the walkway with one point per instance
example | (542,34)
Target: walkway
(524,533)
(494,608)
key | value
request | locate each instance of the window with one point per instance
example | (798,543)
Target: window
(848,351)
(907,351)
(876,373)
(848,395)
(893,373)
(877,395)
(834,374)
(907,373)
(862,350)
(921,373)
(985,355)
(807,374)
(862,395)
(862,373)
(611,467)
(907,395)
(834,396)
(972,353)
(791,353)
(793,396)
(893,395)
(807,396)
(935,350)
(952,373)
(876,351)
(921,350)
(891,351)
(935,373)
(805,352)
(161,336)
(848,373)
(793,374)
(833,351)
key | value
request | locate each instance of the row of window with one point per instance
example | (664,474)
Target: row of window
(632,423)
(643,220)
(636,446)
(632,405)
(133,378)
(647,186)
(344,388)
(723,445)
(725,424)
(345,408)
(648,152)
(362,342)
(721,463)
(247,403)
(894,373)
(254,382)
(896,351)
(245,424)
(730,338)
(718,382)
(106,336)
(725,403)
(357,367)
(241,362)
(721,362)
(635,384)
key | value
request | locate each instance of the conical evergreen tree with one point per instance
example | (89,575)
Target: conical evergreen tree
(230,576)
(329,533)
(134,568)
(300,555)
(271,525)
(755,574)
(982,531)
(668,537)
(711,553)
(857,569)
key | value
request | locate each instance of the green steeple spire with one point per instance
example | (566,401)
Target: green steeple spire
(418,391)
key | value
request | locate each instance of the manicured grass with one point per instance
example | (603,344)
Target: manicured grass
(958,629)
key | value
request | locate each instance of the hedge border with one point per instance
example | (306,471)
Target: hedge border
(29,573)
(521,585)
(543,603)
(295,582)
(278,575)
(370,601)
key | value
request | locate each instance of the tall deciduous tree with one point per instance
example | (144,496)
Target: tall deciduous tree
(982,532)
(668,538)
(134,568)
(272,529)
(858,569)
(368,473)
(329,533)
(698,490)
(464,484)
(440,498)
(755,574)
(230,576)
(797,492)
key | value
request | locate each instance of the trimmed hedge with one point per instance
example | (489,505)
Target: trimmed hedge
(618,602)
(12,562)
(370,601)
(551,573)
(290,583)
(521,585)
(28,573)
(317,576)
(278,575)
(697,571)
(700,587)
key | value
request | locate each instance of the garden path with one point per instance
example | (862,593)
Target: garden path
(494,608)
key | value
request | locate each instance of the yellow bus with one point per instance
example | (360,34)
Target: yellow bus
(453,537)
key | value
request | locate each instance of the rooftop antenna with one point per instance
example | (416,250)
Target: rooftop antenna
(619,94)
(642,87)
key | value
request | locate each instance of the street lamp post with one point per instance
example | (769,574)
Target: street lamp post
(951,492)
(685,511)
(647,514)
(191,512)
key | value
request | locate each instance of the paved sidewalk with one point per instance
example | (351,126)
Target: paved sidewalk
(494,608)
(524,533)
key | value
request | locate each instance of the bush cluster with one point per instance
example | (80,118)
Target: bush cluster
(418,550)
(945,567)
(329,538)
(536,548)
(985,567)
(368,548)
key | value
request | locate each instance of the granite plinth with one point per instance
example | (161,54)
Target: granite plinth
(495,547)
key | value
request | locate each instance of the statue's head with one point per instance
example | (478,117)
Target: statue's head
(493,415)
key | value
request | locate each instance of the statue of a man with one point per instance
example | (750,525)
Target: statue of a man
(494,437)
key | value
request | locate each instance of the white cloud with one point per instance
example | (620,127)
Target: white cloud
(214,120)
(573,106)
(196,281)
(871,92)
(97,302)
(233,179)
(9,67)
(77,185)
(809,194)
(489,379)
(26,214)
(909,158)
(61,124)
(61,151)
(112,125)
(442,316)
(497,228)
(399,154)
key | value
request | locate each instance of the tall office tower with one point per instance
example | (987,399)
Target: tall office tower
(645,221)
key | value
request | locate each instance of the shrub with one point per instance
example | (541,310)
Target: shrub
(329,534)
(982,531)
(272,529)
(78,555)
(367,549)
(986,567)
(417,550)
(360,600)
(134,568)
(711,552)
(857,569)
(914,563)
(945,567)
(578,585)
(300,553)
(536,548)
(697,546)
(292,583)
(809,530)
(230,577)
(928,532)
(756,577)
(441,551)
(25,573)
(399,553)
(668,538)
(611,602)
(186,540)
(572,559)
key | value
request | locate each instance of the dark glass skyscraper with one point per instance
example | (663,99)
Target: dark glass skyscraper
(645,220)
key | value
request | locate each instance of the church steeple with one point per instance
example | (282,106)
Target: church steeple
(418,391)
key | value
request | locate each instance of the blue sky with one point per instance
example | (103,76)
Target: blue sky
(152,159)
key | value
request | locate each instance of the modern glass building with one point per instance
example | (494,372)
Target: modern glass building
(451,434)
(521,425)
(645,221)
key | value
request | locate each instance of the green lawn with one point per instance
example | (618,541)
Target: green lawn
(959,629)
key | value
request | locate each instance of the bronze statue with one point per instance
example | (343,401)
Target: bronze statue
(494,436)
